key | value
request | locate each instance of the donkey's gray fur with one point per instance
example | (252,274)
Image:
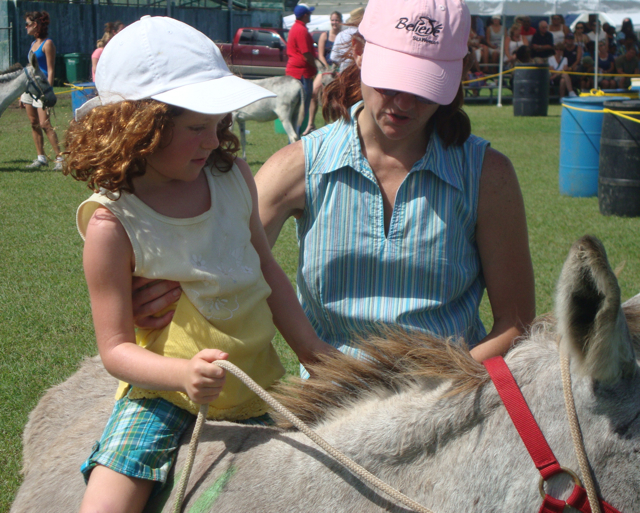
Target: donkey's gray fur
(13,83)
(445,442)
(288,107)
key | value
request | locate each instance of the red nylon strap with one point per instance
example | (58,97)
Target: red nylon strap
(534,440)
(522,417)
(552,505)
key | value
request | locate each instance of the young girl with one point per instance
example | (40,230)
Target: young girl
(174,203)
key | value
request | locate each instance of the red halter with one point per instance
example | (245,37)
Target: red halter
(536,444)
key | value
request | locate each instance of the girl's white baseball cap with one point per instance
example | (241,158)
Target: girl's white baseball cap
(169,61)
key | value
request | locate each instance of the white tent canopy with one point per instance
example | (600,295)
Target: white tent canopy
(342,6)
(548,7)
(318,22)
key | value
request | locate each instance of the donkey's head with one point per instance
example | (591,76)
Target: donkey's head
(37,84)
(590,318)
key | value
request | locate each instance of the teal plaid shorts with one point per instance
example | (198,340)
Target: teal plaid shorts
(141,438)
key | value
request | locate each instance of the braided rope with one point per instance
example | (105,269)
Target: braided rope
(340,457)
(193,445)
(572,417)
(576,434)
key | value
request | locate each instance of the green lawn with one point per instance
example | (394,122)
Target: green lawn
(45,323)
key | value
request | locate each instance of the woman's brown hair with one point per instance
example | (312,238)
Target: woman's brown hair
(108,148)
(450,122)
(41,19)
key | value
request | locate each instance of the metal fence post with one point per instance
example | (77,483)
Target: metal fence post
(231,34)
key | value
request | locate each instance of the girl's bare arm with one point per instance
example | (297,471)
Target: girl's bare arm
(108,263)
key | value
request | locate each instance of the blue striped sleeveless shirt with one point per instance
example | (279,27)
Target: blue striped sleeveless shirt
(425,274)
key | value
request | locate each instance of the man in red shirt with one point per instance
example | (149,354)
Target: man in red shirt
(527,30)
(301,59)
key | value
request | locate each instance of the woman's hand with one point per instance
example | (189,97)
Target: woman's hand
(308,353)
(149,298)
(203,380)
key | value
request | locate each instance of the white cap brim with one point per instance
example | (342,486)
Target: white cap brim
(217,96)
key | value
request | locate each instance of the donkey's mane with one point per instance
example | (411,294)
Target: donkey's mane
(399,359)
(396,360)
(12,69)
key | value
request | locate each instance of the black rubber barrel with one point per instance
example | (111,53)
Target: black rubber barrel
(530,89)
(619,166)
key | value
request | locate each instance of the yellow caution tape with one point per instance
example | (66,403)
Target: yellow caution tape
(626,115)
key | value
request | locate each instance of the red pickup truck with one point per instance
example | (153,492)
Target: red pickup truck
(256,52)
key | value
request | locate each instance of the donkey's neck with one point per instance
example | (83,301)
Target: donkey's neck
(12,85)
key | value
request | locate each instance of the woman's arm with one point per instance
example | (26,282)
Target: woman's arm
(94,65)
(281,189)
(612,65)
(503,243)
(108,263)
(321,49)
(288,315)
(507,51)
(578,59)
(49,50)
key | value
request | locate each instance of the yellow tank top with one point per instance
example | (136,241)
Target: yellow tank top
(223,304)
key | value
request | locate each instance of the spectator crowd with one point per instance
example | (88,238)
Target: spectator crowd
(614,52)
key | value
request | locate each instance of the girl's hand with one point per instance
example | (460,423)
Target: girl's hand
(204,380)
(151,297)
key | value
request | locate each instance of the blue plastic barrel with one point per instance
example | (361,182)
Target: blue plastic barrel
(580,144)
(80,96)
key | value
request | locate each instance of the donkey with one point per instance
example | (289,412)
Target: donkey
(16,80)
(288,107)
(419,413)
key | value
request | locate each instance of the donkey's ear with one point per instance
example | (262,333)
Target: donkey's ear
(33,60)
(591,323)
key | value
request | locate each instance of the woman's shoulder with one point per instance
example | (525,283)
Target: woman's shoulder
(475,141)
(329,147)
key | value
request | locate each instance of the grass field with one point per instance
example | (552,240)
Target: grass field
(45,323)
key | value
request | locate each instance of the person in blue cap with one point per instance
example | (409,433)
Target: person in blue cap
(301,64)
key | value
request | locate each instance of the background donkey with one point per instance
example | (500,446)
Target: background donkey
(288,107)
(421,414)
(14,81)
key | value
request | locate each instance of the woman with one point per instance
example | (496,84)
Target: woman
(557,63)
(37,25)
(626,31)
(606,64)
(95,56)
(581,38)
(495,31)
(478,45)
(403,217)
(511,44)
(387,160)
(341,48)
(325,43)
(558,29)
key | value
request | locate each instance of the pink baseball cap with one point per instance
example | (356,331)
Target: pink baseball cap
(415,46)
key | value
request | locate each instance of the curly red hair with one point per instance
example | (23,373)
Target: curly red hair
(108,147)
